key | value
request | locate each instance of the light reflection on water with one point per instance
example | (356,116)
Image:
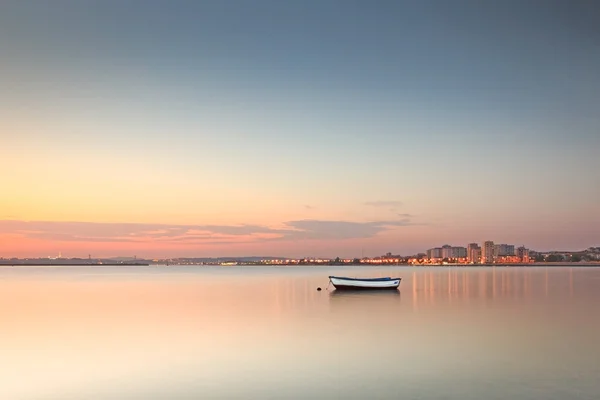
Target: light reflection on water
(239,332)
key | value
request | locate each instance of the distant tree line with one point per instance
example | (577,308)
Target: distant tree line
(561,258)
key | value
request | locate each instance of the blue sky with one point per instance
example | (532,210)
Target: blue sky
(480,118)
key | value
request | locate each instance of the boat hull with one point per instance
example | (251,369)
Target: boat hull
(342,283)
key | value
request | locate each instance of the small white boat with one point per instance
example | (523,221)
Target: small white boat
(340,283)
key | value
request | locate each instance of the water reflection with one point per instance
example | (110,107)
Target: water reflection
(372,305)
(362,294)
(494,284)
(455,333)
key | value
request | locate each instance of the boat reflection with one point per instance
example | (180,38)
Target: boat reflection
(374,304)
(364,293)
(339,296)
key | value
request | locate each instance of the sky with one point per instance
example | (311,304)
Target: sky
(310,128)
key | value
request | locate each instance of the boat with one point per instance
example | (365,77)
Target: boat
(345,283)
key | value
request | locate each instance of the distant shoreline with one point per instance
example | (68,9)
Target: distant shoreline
(366,265)
(72,264)
(536,264)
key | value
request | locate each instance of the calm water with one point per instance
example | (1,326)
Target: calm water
(267,333)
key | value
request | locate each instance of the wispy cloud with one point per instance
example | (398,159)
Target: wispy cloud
(127,232)
(391,205)
(309,207)
(383,203)
(319,229)
(196,234)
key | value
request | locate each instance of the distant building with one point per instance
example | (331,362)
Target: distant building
(487,252)
(502,250)
(477,255)
(459,252)
(447,251)
(473,253)
(434,253)
(523,254)
(452,252)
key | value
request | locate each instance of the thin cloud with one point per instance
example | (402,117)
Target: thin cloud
(320,229)
(126,232)
(309,207)
(196,234)
(383,203)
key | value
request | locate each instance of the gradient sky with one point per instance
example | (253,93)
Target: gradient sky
(307,128)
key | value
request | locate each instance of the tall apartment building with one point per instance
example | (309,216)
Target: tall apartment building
(447,251)
(488,252)
(473,253)
(477,255)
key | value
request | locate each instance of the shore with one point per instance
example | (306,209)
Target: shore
(118,264)
(25,264)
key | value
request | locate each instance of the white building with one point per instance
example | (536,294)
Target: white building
(473,253)
(447,251)
(487,252)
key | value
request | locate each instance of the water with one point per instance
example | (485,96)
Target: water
(267,333)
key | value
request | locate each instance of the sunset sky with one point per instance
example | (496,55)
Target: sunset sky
(307,128)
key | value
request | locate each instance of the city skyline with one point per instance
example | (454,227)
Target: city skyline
(286,129)
(471,252)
